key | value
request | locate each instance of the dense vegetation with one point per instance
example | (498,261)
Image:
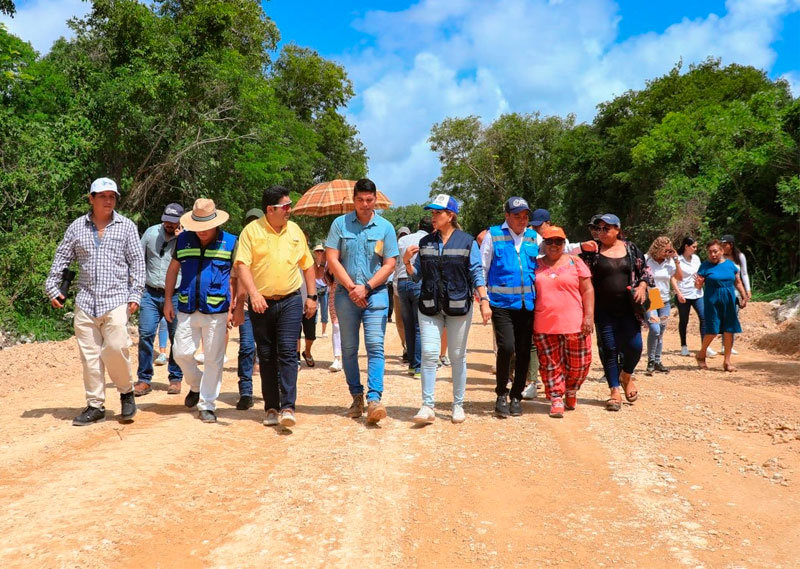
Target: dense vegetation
(714,150)
(175,101)
(187,98)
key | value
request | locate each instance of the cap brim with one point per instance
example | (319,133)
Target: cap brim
(171,218)
(434,206)
(188,223)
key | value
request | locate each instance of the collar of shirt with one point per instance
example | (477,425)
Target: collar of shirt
(271,229)
(115,218)
(352,217)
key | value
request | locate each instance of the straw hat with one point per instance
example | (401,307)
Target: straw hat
(204,216)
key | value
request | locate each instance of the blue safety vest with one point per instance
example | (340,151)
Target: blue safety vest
(205,273)
(445,276)
(511,274)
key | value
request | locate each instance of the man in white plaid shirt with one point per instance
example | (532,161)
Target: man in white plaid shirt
(112,270)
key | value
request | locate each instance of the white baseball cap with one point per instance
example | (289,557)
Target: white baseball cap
(103,185)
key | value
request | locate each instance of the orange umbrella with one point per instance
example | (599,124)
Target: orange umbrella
(332,198)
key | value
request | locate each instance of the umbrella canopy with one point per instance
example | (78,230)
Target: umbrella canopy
(332,198)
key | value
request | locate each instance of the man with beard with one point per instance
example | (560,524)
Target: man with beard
(158,243)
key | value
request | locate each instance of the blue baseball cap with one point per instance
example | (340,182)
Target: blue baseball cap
(610,219)
(172,213)
(539,216)
(443,201)
(516,204)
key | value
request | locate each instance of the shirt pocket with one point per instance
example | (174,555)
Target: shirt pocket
(220,274)
(348,246)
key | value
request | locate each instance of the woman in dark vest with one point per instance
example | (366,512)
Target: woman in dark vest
(449,266)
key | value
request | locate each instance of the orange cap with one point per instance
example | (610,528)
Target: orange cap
(553,232)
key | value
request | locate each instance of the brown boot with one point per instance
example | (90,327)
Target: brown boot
(357,408)
(174,387)
(375,412)
(141,388)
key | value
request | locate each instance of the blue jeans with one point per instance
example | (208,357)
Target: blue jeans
(276,332)
(374,318)
(621,336)
(431,328)
(247,356)
(163,332)
(683,316)
(151,310)
(322,306)
(655,336)
(408,293)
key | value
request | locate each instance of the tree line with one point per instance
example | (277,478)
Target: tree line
(710,151)
(174,100)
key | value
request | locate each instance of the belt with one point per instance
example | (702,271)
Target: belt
(154,289)
(283,296)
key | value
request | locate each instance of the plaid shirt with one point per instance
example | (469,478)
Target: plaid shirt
(111,269)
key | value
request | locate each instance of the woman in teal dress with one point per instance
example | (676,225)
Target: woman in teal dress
(720,280)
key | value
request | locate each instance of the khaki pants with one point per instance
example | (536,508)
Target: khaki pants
(103,345)
(398,319)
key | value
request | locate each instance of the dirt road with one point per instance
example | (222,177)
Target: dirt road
(700,472)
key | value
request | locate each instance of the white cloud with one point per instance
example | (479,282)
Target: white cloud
(42,22)
(443,58)
(793,78)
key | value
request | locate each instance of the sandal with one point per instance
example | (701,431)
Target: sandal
(630,396)
(730,368)
(701,362)
(614,403)
(309,360)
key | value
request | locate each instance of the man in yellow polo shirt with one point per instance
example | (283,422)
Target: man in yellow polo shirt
(270,251)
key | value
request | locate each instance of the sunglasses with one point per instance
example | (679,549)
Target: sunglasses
(283,206)
(554,241)
(593,227)
(605,228)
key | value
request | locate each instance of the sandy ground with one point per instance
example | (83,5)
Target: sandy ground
(700,472)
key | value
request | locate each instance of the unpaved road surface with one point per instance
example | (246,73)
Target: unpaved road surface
(703,471)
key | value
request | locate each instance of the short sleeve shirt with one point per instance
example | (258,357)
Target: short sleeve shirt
(559,304)
(662,272)
(362,248)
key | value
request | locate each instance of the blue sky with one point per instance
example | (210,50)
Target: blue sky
(414,63)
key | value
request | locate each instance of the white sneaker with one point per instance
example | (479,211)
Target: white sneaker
(271,419)
(336,365)
(710,353)
(161,360)
(200,358)
(684,350)
(424,416)
(458,414)
(733,351)
(530,392)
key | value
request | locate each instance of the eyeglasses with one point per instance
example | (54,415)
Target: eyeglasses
(283,206)
(670,251)
(604,228)
(593,227)
(554,241)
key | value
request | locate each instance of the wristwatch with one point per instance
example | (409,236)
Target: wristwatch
(368,287)
(486,298)
(312,297)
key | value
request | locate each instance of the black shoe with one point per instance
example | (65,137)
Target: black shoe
(245,402)
(208,416)
(191,398)
(128,406)
(516,407)
(651,365)
(659,367)
(90,415)
(405,356)
(501,406)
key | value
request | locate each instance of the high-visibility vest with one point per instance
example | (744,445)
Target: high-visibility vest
(445,276)
(205,273)
(511,274)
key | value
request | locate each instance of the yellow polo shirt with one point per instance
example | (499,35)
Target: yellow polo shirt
(273,257)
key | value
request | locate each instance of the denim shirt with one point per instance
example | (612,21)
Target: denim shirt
(362,248)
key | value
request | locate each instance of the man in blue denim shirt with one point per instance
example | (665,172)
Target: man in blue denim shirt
(361,251)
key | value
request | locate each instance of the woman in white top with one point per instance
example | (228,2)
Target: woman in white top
(731,252)
(663,261)
(688,295)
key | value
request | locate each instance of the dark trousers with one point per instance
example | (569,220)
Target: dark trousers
(621,337)
(247,356)
(276,332)
(390,288)
(513,331)
(683,316)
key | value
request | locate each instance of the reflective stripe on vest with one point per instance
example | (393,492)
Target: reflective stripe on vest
(511,273)
(205,273)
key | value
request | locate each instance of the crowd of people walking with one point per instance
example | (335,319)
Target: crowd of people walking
(543,296)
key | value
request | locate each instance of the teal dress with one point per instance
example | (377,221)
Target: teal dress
(719,297)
